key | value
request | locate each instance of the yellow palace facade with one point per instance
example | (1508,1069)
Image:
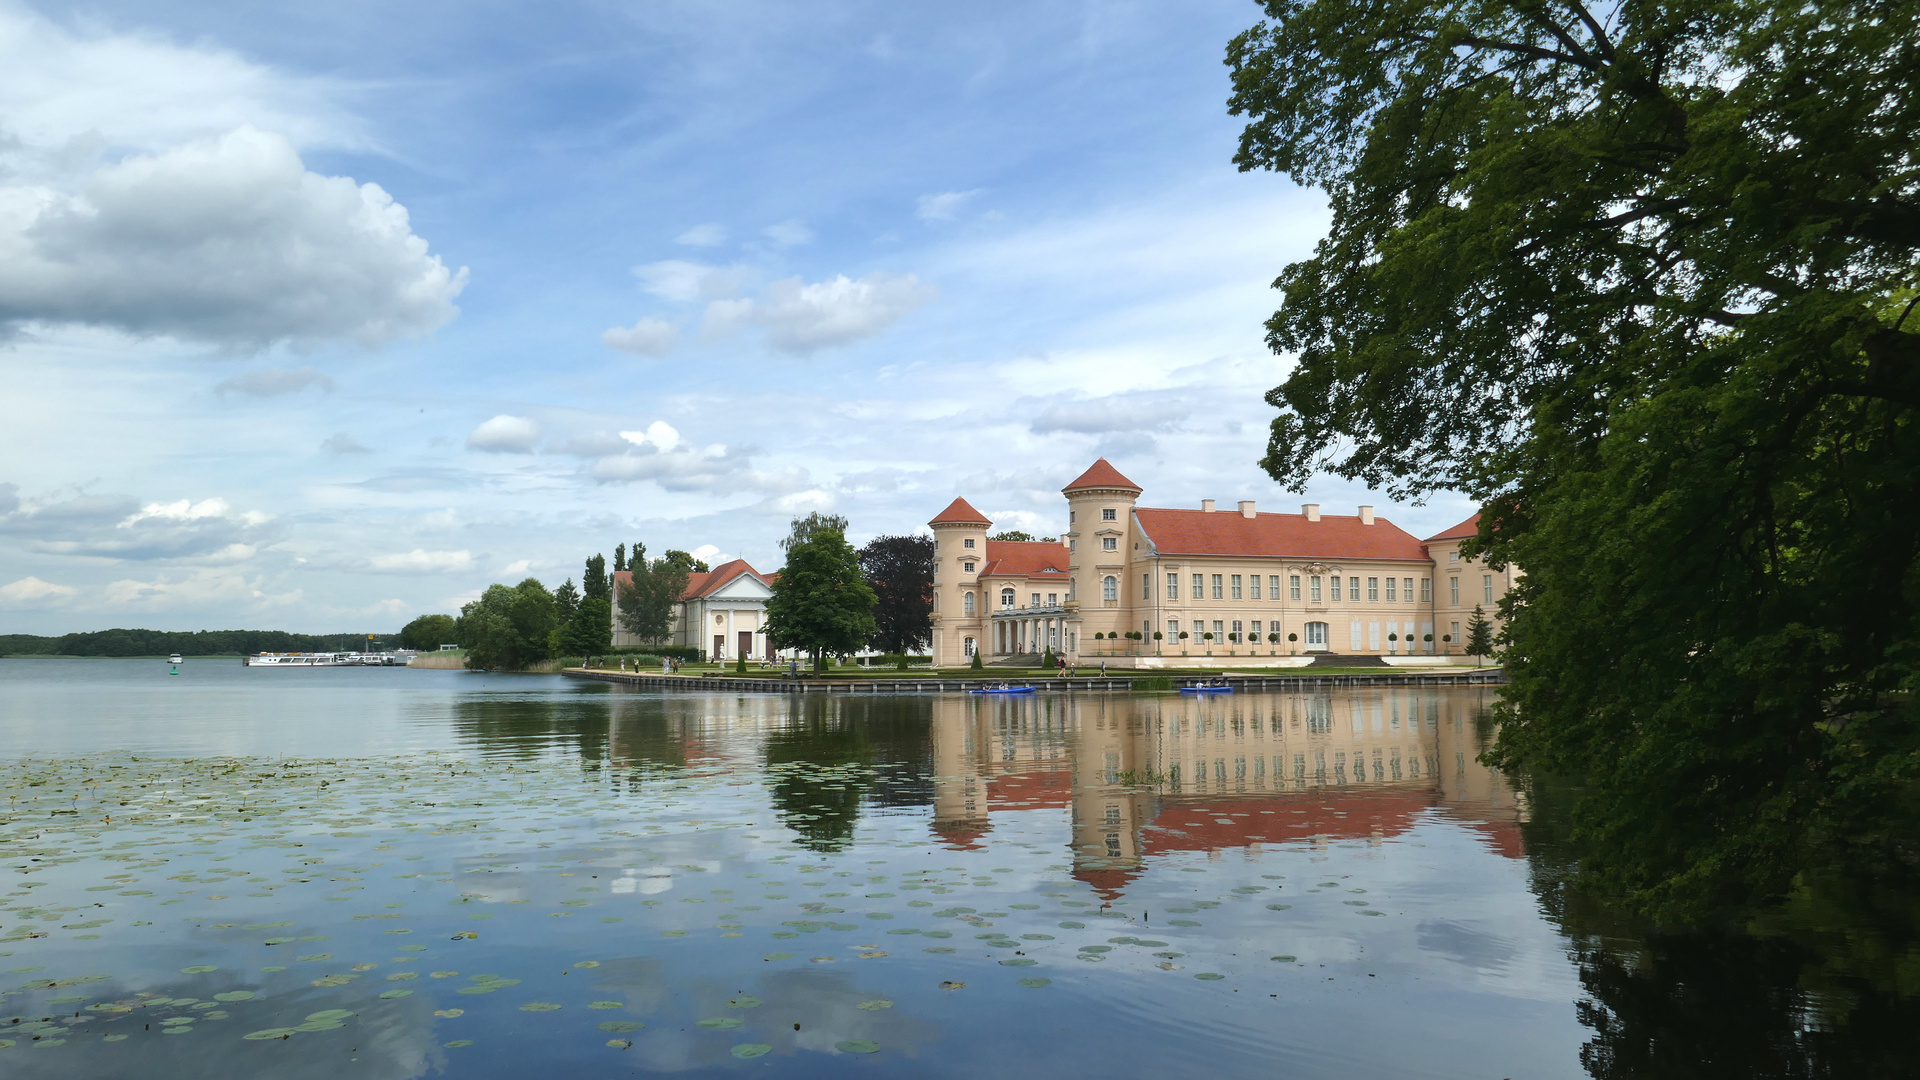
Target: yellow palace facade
(1143,587)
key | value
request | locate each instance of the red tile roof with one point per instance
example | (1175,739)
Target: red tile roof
(1102,474)
(1026,558)
(1291,536)
(960,512)
(1469,527)
(702,585)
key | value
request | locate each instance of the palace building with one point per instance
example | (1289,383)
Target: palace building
(1136,586)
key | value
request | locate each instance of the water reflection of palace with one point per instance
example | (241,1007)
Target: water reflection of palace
(1137,776)
(1147,776)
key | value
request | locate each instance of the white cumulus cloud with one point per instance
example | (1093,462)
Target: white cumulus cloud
(660,435)
(32,592)
(648,337)
(505,435)
(227,240)
(419,560)
(803,318)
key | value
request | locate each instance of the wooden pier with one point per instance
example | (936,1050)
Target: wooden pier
(1111,684)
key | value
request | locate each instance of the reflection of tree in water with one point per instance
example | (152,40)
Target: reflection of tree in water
(529,727)
(833,753)
(1825,984)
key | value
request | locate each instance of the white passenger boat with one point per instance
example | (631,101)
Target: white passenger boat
(174,659)
(339,659)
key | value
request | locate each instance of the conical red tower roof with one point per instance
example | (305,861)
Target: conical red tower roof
(1102,475)
(960,512)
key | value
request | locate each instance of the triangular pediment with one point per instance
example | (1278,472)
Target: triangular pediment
(744,587)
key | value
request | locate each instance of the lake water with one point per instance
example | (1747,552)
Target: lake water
(396,873)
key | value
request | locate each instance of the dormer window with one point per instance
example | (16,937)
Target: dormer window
(1109,514)
(967,543)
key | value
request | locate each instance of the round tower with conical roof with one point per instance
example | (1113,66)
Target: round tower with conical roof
(1101,534)
(959,611)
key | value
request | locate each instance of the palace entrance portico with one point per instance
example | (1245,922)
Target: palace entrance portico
(1029,630)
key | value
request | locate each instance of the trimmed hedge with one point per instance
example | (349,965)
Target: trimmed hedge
(684,653)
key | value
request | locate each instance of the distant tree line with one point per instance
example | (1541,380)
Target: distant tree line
(829,598)
(120,642)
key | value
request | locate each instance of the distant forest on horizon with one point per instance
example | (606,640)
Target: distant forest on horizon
(120,642)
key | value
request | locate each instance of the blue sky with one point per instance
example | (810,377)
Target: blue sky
(322,316)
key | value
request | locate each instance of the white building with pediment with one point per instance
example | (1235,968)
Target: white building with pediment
(722,613)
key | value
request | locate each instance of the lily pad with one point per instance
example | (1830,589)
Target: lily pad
(875,1004)
(857,1046)
(721,1023)
(396,993)
(199,969)
(745,1001)
(1035,982)
(1209,976)
(234,995)
(606,1004)
(457,1044)
(268,1033)
(752,1050)
(539,1006)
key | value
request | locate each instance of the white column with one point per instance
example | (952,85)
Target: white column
(733,641)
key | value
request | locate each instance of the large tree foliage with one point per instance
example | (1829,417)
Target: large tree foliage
(647,600)
(594,582)
(899,569)
(509,628)
(1642,281)
(803,528)
(821,602)
(428,632)
(687,562)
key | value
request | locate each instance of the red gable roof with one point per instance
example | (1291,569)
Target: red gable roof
(1102,474)
(960,512)
(701,585)
(1025,558)
(1197,532)
(1469,527)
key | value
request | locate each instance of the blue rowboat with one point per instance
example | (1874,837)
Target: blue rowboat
(1005,690)
(1206,689)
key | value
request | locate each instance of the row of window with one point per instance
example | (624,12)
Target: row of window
(1257,631)
(1237,587)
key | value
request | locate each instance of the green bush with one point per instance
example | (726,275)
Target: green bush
(895,660)
(977,665)
(683,653)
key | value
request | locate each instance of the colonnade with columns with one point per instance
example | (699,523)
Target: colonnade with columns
(1029,634)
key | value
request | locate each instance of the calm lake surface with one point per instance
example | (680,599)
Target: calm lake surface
(395,873)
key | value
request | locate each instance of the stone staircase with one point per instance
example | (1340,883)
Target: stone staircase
(1336,660)
(1020,660)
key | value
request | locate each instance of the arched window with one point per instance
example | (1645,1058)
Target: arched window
(966,603)
(1006,599)
(1109,588)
